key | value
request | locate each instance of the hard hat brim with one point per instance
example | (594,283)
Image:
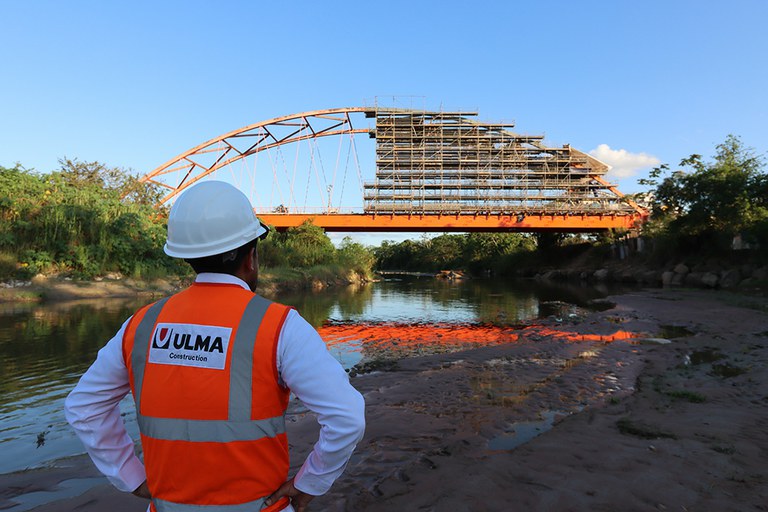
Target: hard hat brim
(219,247)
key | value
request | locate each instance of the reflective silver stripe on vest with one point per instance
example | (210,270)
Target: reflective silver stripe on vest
(241,372)
(239,427)
(169,506)
(141,347)
(213,431)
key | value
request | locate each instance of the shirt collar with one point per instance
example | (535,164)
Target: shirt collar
(212,277)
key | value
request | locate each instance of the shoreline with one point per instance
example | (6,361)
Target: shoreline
(631,426)
(52,289)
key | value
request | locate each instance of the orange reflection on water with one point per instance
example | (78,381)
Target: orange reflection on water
(580,336)
(386,335)
(395,335)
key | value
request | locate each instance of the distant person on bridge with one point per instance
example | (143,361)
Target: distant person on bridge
(211,369)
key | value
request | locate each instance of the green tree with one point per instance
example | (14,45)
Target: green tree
(76,220)
(355,256)
(308,245)
(710,202)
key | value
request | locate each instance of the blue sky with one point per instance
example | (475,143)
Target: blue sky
(132,84)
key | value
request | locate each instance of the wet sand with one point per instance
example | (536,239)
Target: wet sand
(548,422)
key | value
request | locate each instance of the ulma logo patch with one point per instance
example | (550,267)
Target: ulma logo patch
(204,346)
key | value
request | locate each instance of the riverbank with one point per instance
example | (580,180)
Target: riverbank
(626,425)
(59,288)
(738,270)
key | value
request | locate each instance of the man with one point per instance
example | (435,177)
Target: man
(211,369)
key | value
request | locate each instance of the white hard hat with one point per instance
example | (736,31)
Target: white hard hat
(210,218)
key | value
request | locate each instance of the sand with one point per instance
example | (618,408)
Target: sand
(677,421)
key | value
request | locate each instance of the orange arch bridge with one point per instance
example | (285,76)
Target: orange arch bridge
(432,171)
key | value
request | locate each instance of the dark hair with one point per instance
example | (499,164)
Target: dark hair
(225,263)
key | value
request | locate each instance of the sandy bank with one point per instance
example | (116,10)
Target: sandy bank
(43,288)
(57,288)
(617,426)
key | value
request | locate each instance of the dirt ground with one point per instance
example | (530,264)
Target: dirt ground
(676,420)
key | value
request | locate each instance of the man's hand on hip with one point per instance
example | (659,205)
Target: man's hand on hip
(142,491)
(299,500)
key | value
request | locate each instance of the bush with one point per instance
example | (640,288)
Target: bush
(7,265)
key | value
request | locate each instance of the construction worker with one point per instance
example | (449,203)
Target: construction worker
(211,369)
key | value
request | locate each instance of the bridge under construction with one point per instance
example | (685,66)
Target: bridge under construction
(434,171)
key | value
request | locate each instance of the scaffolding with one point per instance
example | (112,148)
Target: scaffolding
(445,163)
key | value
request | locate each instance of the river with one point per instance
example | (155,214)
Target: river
(44,348)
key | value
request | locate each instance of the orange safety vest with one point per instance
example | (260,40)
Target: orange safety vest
(210,407)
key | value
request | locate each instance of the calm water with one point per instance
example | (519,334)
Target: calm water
(45,348)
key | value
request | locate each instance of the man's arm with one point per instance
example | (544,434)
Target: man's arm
(92,408)
(320,382)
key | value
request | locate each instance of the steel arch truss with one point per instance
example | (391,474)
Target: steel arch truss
(435,171)
(195,164)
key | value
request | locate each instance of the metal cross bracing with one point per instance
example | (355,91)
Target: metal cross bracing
(434,171)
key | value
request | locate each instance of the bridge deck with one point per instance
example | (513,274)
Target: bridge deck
(453,222)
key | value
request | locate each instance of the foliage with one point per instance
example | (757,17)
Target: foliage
(88,219)
(303,246)
(307,247)
(355,257)
(84,218)
(705,204)
(475,252)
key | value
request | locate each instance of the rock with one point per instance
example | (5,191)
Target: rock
(552,275)
(654,341)
(761,273)
(601,274)
(749,283)
(710,279)
(677,279)
(694,279)
(652,277)
(627,276)
(681,268)
(730,278)
(666,278)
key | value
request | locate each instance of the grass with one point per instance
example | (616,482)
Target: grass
(7,265)
(690,396)
(632,428)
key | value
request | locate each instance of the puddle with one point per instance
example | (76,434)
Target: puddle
(705,356)
(674,331)
(523,431)
(601,305)
(64,490)
(726,370)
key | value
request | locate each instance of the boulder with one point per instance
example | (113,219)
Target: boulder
(749,283)
(601,274)
(652,277)
(710,279)
(666,278)
(678,279)
(730,278)
(681,268)
(552,275)
(694,279)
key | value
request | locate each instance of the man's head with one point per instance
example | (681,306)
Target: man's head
(212,226)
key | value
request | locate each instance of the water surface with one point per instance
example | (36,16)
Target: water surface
(44,348)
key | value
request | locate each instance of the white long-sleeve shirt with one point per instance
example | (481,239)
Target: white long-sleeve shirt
(304,365)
